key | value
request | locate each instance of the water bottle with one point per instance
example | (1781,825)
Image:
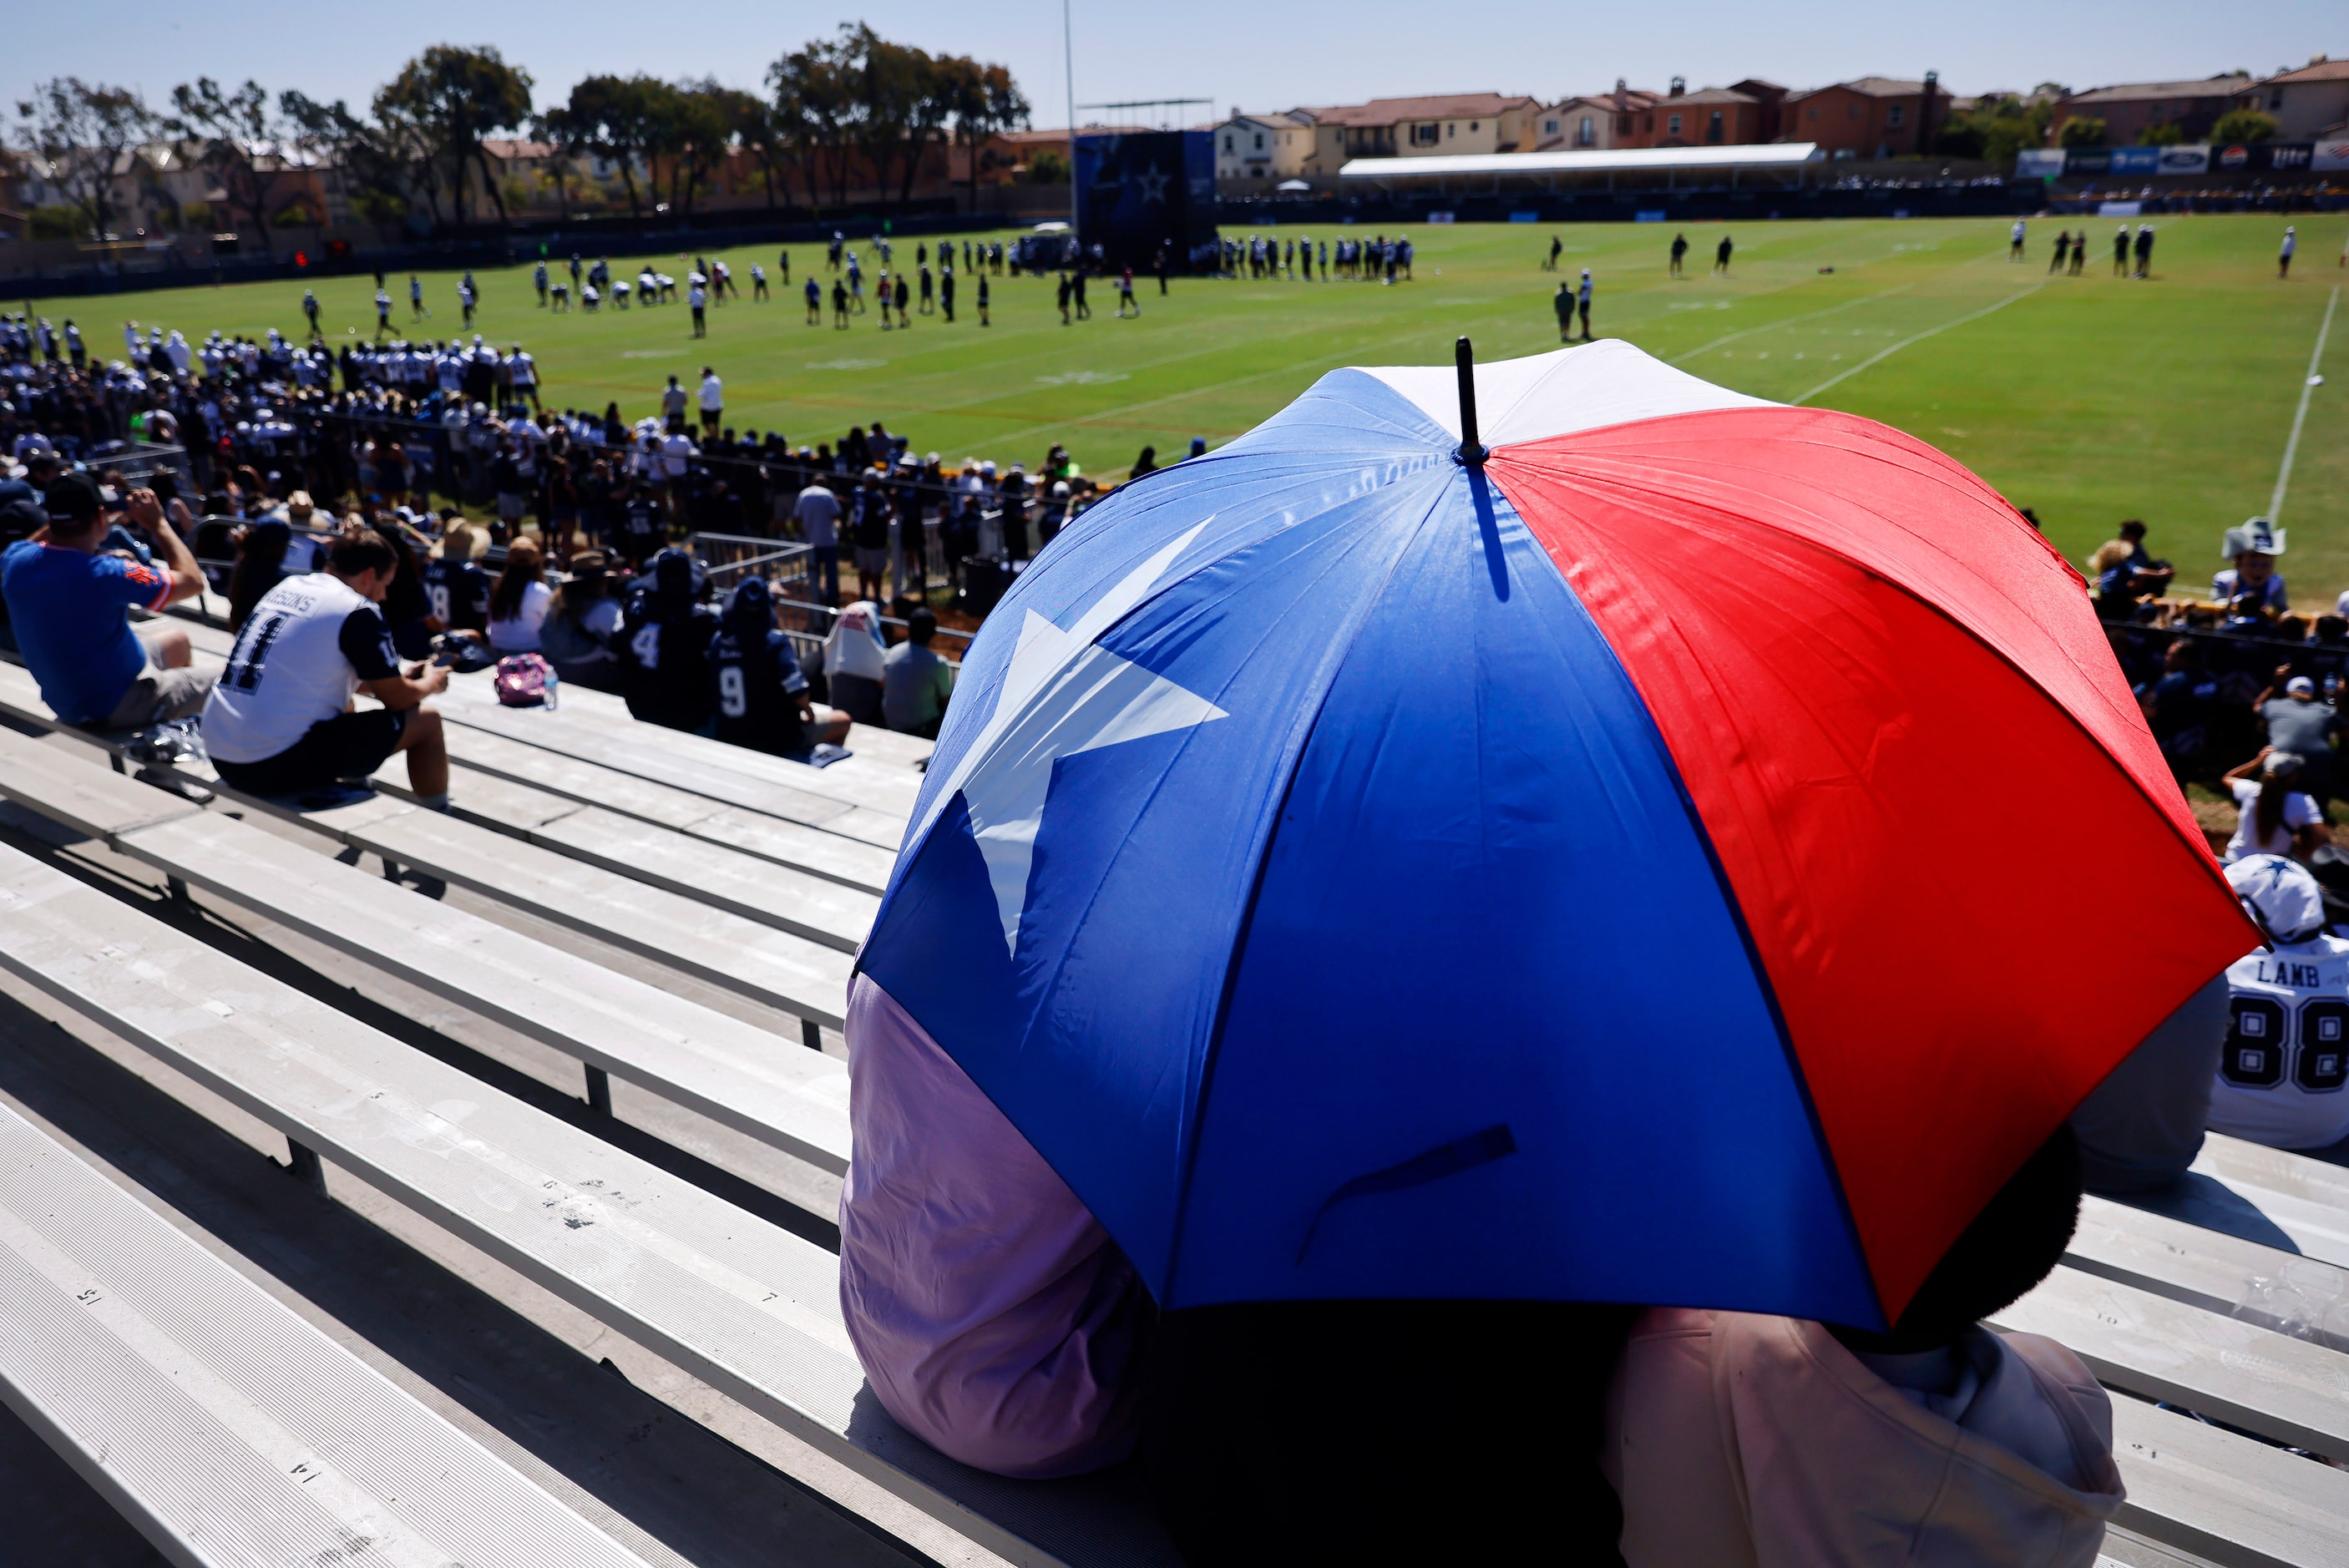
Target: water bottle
(553,688)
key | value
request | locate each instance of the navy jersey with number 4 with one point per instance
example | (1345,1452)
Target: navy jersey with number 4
(756,681)
(664,664)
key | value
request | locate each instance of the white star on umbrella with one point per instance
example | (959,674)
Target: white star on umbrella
(1062,695)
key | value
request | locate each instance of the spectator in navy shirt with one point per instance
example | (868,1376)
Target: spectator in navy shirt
(69,606)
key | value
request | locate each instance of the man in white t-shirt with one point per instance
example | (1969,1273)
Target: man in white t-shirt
(279,721)
(2283,1073)
(818,511)
(697,296)
(713,402)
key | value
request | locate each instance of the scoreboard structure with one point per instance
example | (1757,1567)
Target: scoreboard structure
(1141,192)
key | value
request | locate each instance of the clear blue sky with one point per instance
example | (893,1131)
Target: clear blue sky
(1259,55)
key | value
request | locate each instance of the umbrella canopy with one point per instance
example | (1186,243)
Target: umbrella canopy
(1600,875)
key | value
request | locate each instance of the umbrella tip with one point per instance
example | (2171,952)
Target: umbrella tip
(1471,451)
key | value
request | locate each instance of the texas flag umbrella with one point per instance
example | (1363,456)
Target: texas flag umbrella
(1690,855)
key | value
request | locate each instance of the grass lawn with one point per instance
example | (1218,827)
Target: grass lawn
(2088,399)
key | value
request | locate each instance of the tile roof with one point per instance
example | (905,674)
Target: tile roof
(2132,92)
(1391,111)
(2315,71)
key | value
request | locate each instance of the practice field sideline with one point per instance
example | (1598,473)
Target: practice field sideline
(2088,399)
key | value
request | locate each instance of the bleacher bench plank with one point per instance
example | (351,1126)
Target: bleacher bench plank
(2192,1263)
(231,1433)
(817,908)
(84,797)
(2284,1390)
(2228,1498)
(771,1089)
(727,774)
(2306,1199)
(855,781)
(747,1308)
(803,978)
(658,760)
(479,754)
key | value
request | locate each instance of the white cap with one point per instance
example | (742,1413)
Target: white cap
(2282,893)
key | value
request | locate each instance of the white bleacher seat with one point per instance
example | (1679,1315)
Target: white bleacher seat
(231,1433)
(650,752)
(2306,1199)
(803,978)
(478,753)
(747,1308)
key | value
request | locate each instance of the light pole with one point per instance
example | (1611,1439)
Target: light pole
(1068,67)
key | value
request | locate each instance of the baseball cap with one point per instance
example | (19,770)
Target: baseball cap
(2282,893)
(73,499)
(2299,686)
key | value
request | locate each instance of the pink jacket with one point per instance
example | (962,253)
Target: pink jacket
(1744,1441)
(993,1314)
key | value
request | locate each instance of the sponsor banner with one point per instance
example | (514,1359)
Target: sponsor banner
(2120,209)
(1525,217)
(2039,163)
(2329,155)
(2081,161)
(1439,217)
(1655,217)
(2266,157)
(2134,161)
(2185,160)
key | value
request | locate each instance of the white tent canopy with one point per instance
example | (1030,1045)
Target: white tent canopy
(1777,158)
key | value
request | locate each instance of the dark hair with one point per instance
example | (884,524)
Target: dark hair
(2132,529)
(2014,1244)
(260,563)
(362,551)
(920,627)
(2275,790)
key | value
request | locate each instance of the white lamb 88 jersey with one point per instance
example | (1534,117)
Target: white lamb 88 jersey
(2283,1073)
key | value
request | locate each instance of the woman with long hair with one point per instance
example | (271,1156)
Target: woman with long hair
(406,607)
(518,604)
(2274,815)
(260,562)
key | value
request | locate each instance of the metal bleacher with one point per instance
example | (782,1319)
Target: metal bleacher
(2214,1325)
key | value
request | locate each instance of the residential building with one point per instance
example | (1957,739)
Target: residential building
(1254,152)
(2309,103)
(1874,117)
(1624,118)
(2131,111)
(1421,127)
(1712,116)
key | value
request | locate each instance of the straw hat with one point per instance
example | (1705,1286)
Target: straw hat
(299,506)
(461,542)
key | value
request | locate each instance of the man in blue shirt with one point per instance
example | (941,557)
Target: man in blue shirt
(69,606)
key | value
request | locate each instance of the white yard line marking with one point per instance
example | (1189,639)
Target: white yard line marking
(1882,354)
(2307,387)
(1790,321)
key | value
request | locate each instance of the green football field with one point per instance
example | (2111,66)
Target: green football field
(2088,399)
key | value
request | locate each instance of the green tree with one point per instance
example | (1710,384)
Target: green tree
(242,140)
(455,97)
(2082,130)
(620,120)
(379,166)
(1048,168)
(2244,125)
(85,134)
(816,114)
(2168,133)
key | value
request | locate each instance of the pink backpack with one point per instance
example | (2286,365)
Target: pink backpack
(522,680)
